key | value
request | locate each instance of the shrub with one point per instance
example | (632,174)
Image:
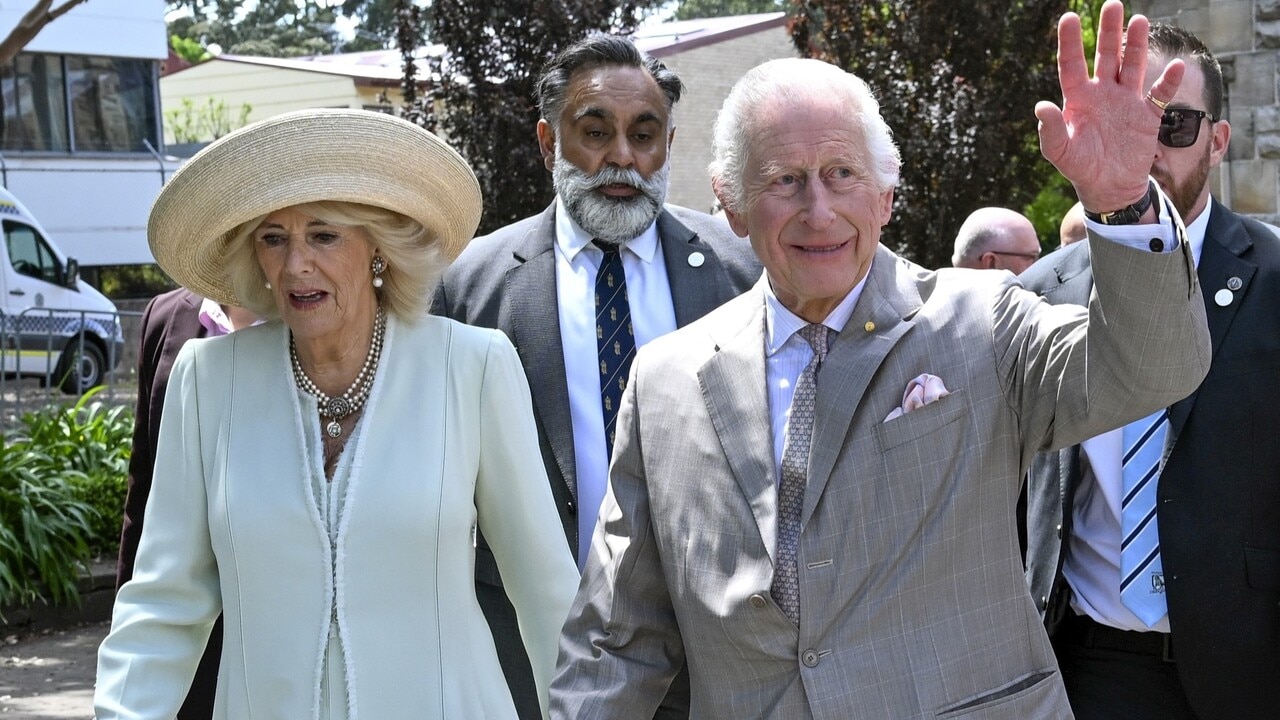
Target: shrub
(44,528)
(62,485)
(105,494)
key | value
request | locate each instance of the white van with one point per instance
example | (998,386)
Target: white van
(53,325)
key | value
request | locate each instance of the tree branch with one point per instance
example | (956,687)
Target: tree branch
(31,24)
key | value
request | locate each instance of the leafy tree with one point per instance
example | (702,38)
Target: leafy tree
(283,28)
(271,28)
(376,20)
(1057,196)
(495,51)
(187,49)
(41,14)
(693,9)
(409,30)
(957,83)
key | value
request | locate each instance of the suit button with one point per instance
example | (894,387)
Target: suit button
(1157,245)
(758,601)
(809,658)
(573,509)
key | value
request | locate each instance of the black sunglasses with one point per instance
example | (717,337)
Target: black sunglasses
(1180,127)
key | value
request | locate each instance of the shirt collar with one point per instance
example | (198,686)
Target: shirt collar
(1196,230)
(573,239)
(213,319)
(780,323)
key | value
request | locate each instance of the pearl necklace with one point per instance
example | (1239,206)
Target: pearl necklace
(336,408)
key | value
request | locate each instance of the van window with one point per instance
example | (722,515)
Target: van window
(29,254)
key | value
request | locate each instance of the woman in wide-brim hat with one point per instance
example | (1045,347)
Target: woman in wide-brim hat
(319,478)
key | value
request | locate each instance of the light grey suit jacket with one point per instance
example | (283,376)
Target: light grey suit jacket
(507,280)
(913,602)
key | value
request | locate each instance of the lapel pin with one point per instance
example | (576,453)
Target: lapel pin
(1223,297)
(696,259)
(869,327)
(1233,283)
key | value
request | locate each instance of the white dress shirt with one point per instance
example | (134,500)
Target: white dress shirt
(787,354)
(1092,565)
(652,314)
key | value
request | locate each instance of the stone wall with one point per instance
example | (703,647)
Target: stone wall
(1245,36)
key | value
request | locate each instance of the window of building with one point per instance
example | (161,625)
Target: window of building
(108,103)
(35,107)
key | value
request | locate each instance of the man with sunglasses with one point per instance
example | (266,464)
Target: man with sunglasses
(1154,550)
(996,238)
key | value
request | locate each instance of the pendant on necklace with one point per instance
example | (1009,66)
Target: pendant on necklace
(337,407)
(333,429)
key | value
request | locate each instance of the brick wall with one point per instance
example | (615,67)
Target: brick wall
(1245,36)
(709,72)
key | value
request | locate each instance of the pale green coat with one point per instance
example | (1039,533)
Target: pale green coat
(447,440)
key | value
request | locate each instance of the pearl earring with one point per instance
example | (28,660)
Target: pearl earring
(379,267)
(268,284)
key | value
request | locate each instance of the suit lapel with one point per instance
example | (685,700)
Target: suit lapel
(530,304)
(1225,240)
(693,278)
(889,299)
(734,389)
(188,316)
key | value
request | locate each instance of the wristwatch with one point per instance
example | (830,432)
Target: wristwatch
(1126,215)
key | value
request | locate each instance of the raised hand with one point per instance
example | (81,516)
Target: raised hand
(1103,139)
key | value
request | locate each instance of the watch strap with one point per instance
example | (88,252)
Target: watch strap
(1126,215)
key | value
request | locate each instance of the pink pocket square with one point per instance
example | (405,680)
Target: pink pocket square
(922,390)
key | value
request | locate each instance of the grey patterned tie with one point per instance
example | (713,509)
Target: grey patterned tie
(795,471)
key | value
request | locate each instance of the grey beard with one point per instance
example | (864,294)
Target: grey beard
(611,220)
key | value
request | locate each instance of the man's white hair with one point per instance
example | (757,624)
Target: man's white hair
(792,81)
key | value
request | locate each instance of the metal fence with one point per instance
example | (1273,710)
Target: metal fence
(50,356)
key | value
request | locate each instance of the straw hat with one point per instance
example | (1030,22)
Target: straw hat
(300,157)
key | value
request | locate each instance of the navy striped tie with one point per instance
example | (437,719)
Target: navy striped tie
(1141,572)
(615,340)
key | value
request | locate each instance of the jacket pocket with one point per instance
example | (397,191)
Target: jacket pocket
(1263,568)
(921,421)
(1038,695)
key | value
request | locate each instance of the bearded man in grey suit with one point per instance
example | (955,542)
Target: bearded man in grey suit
(605,269)
(812,499)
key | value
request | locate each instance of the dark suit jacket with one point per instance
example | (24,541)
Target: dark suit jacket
(506,280)
(1219,492)
(168,322)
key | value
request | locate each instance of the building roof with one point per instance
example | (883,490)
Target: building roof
(669,38)
(383,66)
(374,66)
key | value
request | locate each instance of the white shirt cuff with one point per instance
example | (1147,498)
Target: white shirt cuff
(1160,237)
